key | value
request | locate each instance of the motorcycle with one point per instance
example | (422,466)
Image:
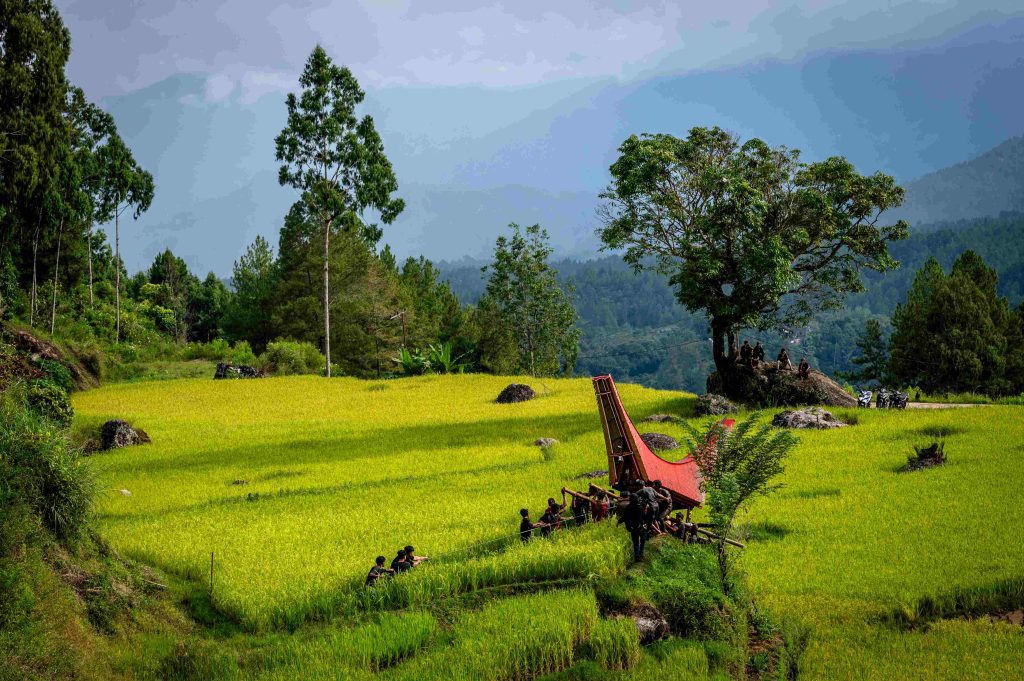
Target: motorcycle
(899,400)
(882,400)
(864,399)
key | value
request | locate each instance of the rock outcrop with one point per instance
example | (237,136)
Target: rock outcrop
(117,433)
(659,441)
(515,392)
(711,404)
(660,418)
(768,385)
(808,417)
(236,371)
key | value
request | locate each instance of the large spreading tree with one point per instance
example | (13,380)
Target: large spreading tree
(747,232)
(334,159)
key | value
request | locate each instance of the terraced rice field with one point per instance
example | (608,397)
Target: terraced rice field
(295,484)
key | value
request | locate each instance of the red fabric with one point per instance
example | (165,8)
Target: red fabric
(680,478)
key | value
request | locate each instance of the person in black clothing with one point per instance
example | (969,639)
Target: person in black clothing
(401,562)
(746,353)
(555,511)
(414,560)
(526,526)
(378,571)
(580,510)
(758,352)
(803,369)
(633,518)
(548,521)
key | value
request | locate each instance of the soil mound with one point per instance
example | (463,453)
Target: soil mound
(38,349)
(768,385)
(515,392)
(659,441)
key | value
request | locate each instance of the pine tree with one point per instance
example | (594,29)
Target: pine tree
(873,359)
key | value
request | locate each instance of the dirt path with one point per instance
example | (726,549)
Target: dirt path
(939,405)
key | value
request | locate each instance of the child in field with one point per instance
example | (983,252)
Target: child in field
(401,563)
(414,560)
(378,571)
(526,526)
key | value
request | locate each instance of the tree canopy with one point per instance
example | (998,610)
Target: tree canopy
(747,232)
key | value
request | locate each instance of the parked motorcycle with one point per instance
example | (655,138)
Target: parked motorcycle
(899,400)
(882,399)
(864,399)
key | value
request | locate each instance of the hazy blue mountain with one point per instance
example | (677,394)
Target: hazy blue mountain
(987,185)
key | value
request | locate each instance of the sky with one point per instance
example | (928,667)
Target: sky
(500,112)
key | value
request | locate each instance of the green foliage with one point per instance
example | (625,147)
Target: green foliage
(51,401)
(38,466)
(955,334)
(437,359)
(526,322)
(286,358)
(736,465)
(873,359)
(249,313)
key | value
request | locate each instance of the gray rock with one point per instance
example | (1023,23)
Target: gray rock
(714,405)
(515,392)
(544,442)
(651,625)
(660,418)
(117,433)
(659,441)
(808,417)
(592,475)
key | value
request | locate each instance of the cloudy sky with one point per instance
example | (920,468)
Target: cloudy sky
(494,112)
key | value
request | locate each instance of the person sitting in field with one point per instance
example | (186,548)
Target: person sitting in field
(414,560)
(784,362)
(401,562)
(803,369)
(526,526)
(378,571)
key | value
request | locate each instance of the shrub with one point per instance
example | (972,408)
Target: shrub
(242,354)
(39,469)
(289,357)
(57,374)
(51,402)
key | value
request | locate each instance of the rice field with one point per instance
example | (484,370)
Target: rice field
(295,484)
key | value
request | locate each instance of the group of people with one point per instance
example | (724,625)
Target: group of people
(753,355)
(595,506)
(644,508)
(405,560)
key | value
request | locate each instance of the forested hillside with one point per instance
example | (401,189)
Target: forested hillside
(634,328)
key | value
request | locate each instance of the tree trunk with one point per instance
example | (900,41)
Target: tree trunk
(722,337)
(32,298)
(56,271)
(327,305)
(90,266)
(117,275)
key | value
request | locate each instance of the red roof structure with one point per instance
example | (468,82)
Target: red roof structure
(630,458)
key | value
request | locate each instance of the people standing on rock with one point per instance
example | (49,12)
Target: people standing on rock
(784,362)
(414,560)
(378,571)
(758,352)
(746,353)
(803,369)
(526,526)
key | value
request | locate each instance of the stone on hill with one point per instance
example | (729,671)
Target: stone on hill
(651,625)
(39,349)
(769,385)
(659,441)
(117,433)
(515,392)
(711,404)
(660,418)
(808,417)
(239,371)
(544,442)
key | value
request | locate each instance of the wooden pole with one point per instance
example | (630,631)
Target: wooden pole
(211,575)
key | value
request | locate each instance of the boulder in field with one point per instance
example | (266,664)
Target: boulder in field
(515,392)
(660,418)
(808,417)
(711,404)
(117,433)
(659,441)
(545,442)
(651,625)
